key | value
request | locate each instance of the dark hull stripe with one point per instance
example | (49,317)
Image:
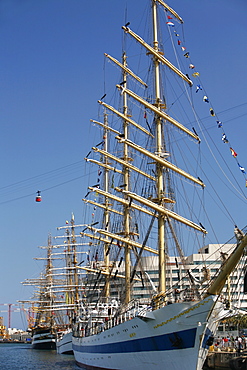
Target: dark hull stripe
(67,353)
(166,342)
(44,345)
(63,344)
(88,367)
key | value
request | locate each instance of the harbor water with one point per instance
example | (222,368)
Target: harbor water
(15,356)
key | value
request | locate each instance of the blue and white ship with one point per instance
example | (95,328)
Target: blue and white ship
(148,200)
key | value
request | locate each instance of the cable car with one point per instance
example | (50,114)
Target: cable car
(38,197)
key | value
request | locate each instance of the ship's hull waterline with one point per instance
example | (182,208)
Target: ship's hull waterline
(43,339)
(64,344)
(164,339)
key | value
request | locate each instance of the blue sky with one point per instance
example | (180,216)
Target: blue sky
(51,76)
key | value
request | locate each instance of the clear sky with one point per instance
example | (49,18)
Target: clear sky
(51,76)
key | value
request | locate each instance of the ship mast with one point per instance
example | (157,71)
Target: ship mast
(126,184)
(159,167)
(106,212)
(75,262)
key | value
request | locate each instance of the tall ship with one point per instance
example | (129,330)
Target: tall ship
(44,328)
(71,285)
(144,205)
(56,299)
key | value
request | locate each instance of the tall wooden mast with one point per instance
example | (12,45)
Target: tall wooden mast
(106,212)
(126,183)
(75,262)
(159,147)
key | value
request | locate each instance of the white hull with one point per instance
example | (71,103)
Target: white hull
(173,337)
(64,344)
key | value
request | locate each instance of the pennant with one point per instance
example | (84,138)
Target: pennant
(179,42)
(187,55)
(196,74)
(198,87)
(233,153)
(224,138)
(170,24)
(191,66)
(242,169)
(212,112)
(169,17)
(176,34)
(183,48)
(205,98)
(145,114)
(219,124)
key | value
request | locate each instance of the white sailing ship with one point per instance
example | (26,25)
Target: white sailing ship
(70,287)
(56,302)
(145,214)
(44,327)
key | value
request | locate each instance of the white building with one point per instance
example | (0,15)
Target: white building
(202,266)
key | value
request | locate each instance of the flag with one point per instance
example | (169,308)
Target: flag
(187,55)
(170,24)
(205,98)
(169,17)
(176,34)
(242,169)
(183,48)
(179,42)
(224,138)
(198,87)
(219,124)
(233,153)
(246,183)
(191,66)
(196,74)
(212,112)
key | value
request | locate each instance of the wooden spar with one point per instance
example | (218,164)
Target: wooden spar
(62,253)
(102,206)
(62,245)
(167,7)
(109,128)
(96,237)
(124,240)
(227,268)
(157,55)
(121,115)
(126,69)
(164,211)
(159,112)
(121,200)
(102,272)
(162,161)
(124,163)
(114,169)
